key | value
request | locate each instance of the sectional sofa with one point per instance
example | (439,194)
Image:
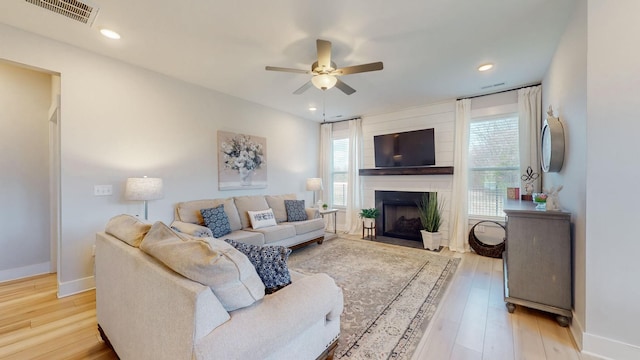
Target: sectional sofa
(162,294)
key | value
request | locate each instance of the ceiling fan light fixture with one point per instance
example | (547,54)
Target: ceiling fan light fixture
(324,81)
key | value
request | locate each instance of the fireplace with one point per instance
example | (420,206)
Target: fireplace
(399,214)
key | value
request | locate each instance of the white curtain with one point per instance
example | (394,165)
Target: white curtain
(459,219)
(326,163)
(529,108)
(354,193)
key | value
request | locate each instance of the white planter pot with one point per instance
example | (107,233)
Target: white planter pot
(431,240)
(368,222)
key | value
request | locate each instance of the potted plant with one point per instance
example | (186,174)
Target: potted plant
(369,215)
(325,206)
(431,219)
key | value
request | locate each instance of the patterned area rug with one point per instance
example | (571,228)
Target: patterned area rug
(390,293)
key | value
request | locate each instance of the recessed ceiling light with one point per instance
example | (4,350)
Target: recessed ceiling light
(110,34)
(485,67)
(312,108)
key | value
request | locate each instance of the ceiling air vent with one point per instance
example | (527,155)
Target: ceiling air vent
(76,10)
(492,86)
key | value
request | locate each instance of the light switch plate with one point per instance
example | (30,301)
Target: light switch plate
(102,190)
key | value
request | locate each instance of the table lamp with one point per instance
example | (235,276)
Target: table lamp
(314,184)
(144,189)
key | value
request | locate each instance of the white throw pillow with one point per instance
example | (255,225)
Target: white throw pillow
(262,218)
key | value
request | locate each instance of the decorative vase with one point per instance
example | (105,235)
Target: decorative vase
(245,176)
(431,240)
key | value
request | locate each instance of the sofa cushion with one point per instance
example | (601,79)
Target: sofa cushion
(214,263)
(270,263)
(295,210)
(189,211)
(247,237)
(276,233)
(216,220)
(262,218)
(128,229)
(303,227)
(249,203)
(276,202)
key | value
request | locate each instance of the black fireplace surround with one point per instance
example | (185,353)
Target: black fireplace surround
(399,214)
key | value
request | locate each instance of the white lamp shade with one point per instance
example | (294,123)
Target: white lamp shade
(314,184)
(324,81)
(143,189)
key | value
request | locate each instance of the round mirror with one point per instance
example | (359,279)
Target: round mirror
(552,144)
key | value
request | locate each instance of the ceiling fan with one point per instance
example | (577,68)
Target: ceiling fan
(325,72)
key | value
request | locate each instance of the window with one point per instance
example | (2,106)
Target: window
(339,171)
(494,164)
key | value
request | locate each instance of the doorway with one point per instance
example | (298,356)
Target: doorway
(29,156)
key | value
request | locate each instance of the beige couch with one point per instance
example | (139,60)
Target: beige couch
(145,310)
(290,234)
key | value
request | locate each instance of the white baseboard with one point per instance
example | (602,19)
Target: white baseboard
(25,271)
(604,348)
(76,286)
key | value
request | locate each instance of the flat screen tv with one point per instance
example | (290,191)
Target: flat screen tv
(404,149)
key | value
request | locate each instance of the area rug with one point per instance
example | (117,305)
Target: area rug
(390,293)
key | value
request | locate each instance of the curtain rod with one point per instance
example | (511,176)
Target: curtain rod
(337,121)
(498,92)
(466,97)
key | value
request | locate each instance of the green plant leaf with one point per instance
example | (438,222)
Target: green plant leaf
(430,211)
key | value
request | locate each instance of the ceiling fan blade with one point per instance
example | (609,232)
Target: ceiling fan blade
(303,88)
(344,87)
(324,54)
(297,71)
(358,68)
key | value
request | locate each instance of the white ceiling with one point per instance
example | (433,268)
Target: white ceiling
(430,48)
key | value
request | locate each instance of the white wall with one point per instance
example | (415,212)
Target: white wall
(120,121)
(25,97)
(441,117)
(565,88)
(613,125)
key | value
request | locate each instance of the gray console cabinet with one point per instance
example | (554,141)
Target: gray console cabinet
(537,260)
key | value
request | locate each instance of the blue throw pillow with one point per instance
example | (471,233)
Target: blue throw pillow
(270,263)
(295,210)
(216,220)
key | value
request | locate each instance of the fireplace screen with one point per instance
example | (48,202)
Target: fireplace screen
(400,217)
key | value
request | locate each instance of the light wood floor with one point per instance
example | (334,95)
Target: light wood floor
(471,323)
(35,324)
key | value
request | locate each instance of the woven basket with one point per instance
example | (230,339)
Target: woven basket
(494,251)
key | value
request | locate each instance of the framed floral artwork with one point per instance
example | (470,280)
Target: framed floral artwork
(242,161)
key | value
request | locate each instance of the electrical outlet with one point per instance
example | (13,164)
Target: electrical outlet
(102,190)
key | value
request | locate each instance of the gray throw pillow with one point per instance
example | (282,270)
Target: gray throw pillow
(216,220)
(270,262)
(295,210)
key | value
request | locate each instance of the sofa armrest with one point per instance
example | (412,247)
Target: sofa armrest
(312,213)
(277,320)
(191,229)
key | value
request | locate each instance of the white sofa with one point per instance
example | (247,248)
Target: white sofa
(145,310)
(188,219)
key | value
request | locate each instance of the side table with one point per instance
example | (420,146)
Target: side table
(370,230)
(330,211)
